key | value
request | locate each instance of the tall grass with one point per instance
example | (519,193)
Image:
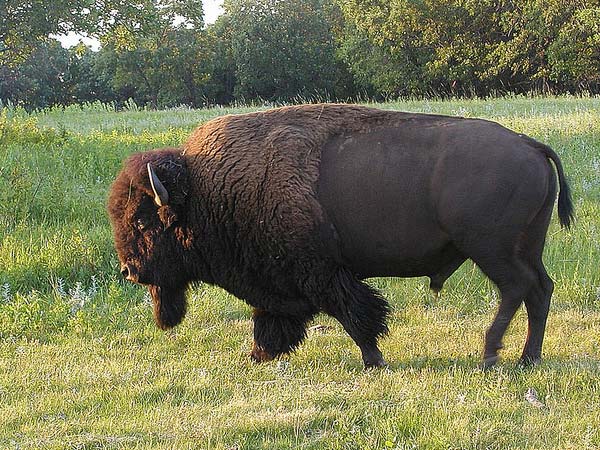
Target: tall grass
(82,365)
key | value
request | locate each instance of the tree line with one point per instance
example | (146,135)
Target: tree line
(160,53)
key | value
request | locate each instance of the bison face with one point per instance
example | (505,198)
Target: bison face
(146,207)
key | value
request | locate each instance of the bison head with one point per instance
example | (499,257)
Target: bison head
(147,205)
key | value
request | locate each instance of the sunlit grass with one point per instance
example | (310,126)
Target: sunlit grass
(83,366)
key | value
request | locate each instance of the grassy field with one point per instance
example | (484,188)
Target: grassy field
(82,365)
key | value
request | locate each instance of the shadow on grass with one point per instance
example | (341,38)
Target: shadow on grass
(435,363)
(471,363)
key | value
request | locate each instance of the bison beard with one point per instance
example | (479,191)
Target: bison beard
(290,209)
(169,306)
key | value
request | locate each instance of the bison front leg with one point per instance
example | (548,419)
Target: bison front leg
(361,311)
(276,334)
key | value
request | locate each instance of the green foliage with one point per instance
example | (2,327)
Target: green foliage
(283,49)
(155,51)
(223,74)
(24,24)
(450,47)
(127,26)
(528,30)
(34,84)
(158,53)
(575,55)
(415,48)
(64,78)
(176,66)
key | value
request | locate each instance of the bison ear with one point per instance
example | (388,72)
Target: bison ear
(161,196)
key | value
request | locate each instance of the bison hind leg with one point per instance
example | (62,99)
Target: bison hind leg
(276,334)
(514,278)
(537,300)
(537,303)
(361,310)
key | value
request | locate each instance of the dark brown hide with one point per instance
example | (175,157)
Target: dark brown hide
(289,209)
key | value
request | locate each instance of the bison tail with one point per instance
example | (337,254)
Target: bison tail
(565,204)
(566,211)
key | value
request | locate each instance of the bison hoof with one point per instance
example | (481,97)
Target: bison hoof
(529,361)
(488,362)
(259,355)
(377,364)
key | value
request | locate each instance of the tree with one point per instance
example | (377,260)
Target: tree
(383,58)
(142,24)
(414,48)
(529,28)
(223,75)
(575,54)
(24,24)
(175,69)
(154,49)
(145,35)
(85,81)
(65,77)
(282,49)
(33,84)
(449,47)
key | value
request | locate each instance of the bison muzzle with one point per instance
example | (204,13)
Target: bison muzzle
(290,209)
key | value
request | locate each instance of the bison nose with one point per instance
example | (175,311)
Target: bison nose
(125,271)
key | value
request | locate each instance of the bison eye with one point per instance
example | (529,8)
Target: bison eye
(140,224)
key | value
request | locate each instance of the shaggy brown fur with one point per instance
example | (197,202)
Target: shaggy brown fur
(252,209)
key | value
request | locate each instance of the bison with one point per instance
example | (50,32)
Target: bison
(290,209)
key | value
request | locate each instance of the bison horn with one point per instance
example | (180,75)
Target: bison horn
(161,196)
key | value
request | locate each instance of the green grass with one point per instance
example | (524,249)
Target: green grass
(82,365)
